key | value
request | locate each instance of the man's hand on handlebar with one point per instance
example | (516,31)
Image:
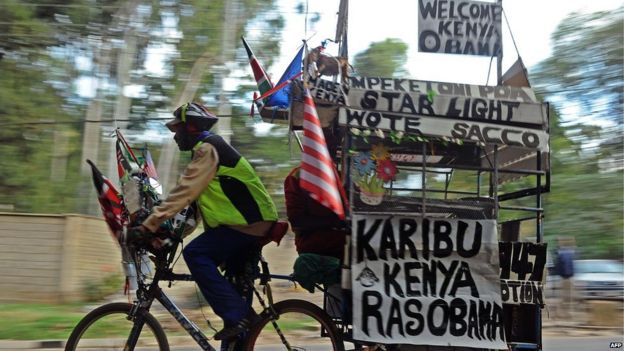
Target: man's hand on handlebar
(141,235)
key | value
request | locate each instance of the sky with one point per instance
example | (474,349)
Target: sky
(531,21)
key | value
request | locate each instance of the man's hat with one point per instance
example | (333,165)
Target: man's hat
(194,114)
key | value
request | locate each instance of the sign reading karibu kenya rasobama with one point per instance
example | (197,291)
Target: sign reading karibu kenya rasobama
(459,27)
(426,281)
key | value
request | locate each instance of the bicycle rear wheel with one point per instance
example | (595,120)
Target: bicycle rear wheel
(107,327)
(304,326)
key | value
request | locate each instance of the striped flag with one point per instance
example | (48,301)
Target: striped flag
(148,165)
(262,79)
(318,174)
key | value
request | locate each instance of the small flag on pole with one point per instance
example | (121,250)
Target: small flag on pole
(281,97)
(148,166)
(127,162)
(109,199)
(262,79)
(318,173)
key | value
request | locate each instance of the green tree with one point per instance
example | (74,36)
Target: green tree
(34,117)
(586,70)
(42,115)
(383,59)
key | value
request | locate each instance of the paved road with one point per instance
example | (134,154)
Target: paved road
(593,343)
(596,343)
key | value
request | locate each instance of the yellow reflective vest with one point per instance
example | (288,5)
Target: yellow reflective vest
(236,195)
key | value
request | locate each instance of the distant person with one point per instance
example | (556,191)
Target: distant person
(564,267)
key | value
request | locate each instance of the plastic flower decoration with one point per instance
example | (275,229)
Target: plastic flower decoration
(380,152)
(364,163)
(386,170)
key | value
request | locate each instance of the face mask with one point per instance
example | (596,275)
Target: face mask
(184,140)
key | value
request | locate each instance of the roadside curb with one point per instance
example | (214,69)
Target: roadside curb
(31,344)
(60,344)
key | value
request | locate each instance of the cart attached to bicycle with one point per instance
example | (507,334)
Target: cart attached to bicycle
(445,185)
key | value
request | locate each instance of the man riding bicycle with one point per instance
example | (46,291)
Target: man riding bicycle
(235,207)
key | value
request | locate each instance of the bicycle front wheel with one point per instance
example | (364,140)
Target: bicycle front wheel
(303,325)
(107,327)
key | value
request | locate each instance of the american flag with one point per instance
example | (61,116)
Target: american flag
(318,173)
(148,166)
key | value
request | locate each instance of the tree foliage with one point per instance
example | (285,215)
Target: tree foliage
(587,66)
(586,69)
(382,59)
(47,46)
(34,116)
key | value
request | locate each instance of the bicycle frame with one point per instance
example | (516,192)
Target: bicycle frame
(146,294)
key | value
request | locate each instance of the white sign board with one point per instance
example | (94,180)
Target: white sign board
(459,27)
(489,92)
(470,130)
(460,107)
(326,91)
(426,281)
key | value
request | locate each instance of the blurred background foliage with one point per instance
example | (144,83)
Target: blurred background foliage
(382,59)
(74,70)
(584,79)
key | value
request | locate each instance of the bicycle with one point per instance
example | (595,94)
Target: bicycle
(292,333)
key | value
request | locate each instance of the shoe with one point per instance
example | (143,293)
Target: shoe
(238,328)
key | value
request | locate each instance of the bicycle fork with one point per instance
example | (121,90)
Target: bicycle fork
(138,320)
(272,314)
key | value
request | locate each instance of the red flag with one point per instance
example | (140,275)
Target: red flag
(318,174)
(262,79)
(109,199)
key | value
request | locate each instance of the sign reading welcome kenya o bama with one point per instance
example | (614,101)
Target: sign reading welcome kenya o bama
(459,27)
(426,281)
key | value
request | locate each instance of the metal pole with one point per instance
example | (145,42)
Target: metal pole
(424,178)
(538,197)
(495,182)
(499,54)
(342,28)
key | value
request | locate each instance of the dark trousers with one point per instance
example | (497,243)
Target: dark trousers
(204,254)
